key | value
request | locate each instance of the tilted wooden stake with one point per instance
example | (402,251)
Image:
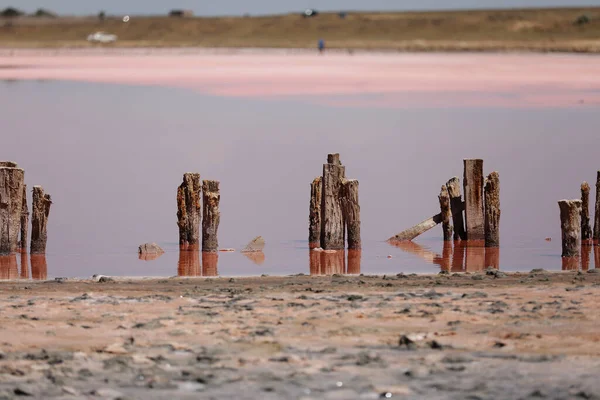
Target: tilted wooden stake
(570,223)
(212,216)
(586,229)
(417,230)
(473,188)
(188,210)
(446,214)
(492,211)
(24,221)
(597,209)
(11,203)
(457,207)
(40,210)
(351,212)
(314,215)
(332,220)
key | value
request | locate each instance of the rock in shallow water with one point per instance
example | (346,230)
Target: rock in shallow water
(150,248)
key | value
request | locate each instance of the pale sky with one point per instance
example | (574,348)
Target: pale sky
(239,7)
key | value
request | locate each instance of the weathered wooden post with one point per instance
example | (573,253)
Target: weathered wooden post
(24,221)
(40,210)
(586,229)
(11,202)
(188,210)
(210,263)
(457,207)
(444,199)
(351,212)
(332,220)
(492,210)
(212,216)
(570,221)
(314,214)
(354,261)
(597,211)
(473,188)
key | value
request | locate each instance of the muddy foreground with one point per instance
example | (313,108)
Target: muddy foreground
(480,336)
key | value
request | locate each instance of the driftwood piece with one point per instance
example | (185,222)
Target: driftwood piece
(40,210)
(597,211)
(586,229)
(314,214)
(492,211)
(212,216)
(457,207)
(473,188)
(332,220)
(446,214)
(417,230)
(188,210)
(351,212)
(24,221)
(570,221)
(11,203)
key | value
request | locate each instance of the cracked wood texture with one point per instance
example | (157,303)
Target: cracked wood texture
(457,207)
(212,216)
(188,210)
(24,221)
(570,224)
(314,214)
(492,210)
(586,229)
(473,188)
(597,209)
(446,214)
(40,210)
(332,220)
(419,229)
(351,212)
(11,202)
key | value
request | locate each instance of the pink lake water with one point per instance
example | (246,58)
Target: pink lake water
(109,137)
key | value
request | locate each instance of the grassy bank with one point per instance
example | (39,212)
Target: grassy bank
(489,30)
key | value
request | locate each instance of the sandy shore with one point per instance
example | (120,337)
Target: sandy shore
(478,336)
(500,80)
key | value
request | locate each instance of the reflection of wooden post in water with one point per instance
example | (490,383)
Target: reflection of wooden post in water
(458,258)
(457,207)
(39,267)
(570,263)
(40,210)
(333,262)
(597,257)
(492,211)
(570,221)
(188,210)
(332,221)
(210,263)
(314,214)
(8,267)
(212,216)
(445,260)
(24,265)
(416,249)
(351,212)
(24,221)
(189,262)
(444,199)
(492,257)
(257,257)
(475,255)
(314,262)
(354,260)
(473,188)
(597,214)
(11,203)
(586,250)
(586,229)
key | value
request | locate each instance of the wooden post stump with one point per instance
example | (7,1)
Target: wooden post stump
(188,210)
(314,214)
(332,220)
(473,188)
(586,229)
(492,210)
(457,207)
(212,216)
(11,202)
(24,221)
(597,211)
(40,210)
(570,221)
(351,212)
(444,199)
